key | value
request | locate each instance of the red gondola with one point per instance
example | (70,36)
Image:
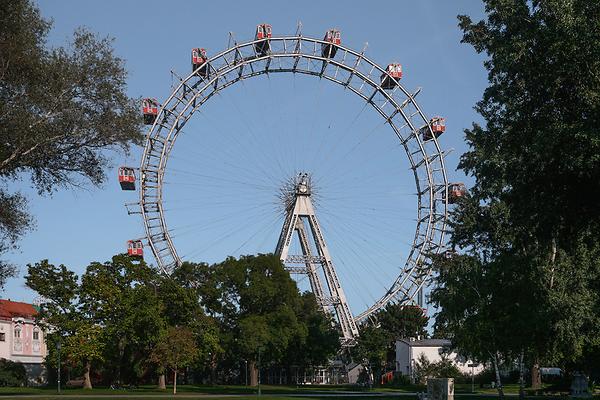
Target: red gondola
(438,126)
(456,191)
(127,178)
(333,38)
(135,248)
(150,110)
(392,71)
(263,33)
(198,59)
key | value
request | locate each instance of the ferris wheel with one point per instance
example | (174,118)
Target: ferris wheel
(326,60)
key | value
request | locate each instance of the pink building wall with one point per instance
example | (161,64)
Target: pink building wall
(21,339)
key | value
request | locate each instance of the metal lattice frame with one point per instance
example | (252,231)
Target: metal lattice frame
(352,70)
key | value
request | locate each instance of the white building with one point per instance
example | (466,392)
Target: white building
(409,350)
(21,339)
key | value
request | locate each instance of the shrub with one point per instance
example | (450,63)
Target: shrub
(12,373)
(441,369)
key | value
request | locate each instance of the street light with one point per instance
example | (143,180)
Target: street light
(246,371)
(472,365)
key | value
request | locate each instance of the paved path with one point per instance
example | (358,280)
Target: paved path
(348,394)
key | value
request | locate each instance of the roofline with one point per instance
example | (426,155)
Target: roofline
(412,343)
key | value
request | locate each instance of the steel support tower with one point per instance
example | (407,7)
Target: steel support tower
(315,256)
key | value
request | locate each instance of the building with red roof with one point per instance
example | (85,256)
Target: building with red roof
(21,339)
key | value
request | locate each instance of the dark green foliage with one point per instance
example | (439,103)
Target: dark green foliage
(400,322)
(230,310)
(61,109)
(372,349)
(14,222)
(443,368)
(528,276)
(12,373)
(256,304)
(376,346)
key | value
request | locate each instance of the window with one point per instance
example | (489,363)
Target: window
(2,337)
(17,332)
(36,335)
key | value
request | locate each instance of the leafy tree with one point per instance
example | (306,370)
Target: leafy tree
(316,340)
(85,347)
(371,350)
(477,300)
(443,368)
(12,373)
(60,110)
(376,347)
(403,321)
(176,350)
(257,305)
(260,300)
(254,304)
(180,297)
(14,222)
(58,286)
(120,295)
(61,315)
(529,274)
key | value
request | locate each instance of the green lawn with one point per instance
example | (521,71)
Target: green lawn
(317,392)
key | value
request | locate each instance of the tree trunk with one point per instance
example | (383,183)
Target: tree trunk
(121,347)
(175,381)
(253,373)
(553,261)
(87,382)
(213,369)
(536,376)
(162,385)
(521,377)
(498,380)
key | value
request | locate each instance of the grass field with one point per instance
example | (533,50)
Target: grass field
(321,392)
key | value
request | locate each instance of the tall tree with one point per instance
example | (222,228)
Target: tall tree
(62,316)
(376,347)
(261,300)
(86,347)
(529,229)
(371,350)
(61,109)
(259,309)
(59,288)
(176,350)
(316,340)
(403,321)
(120,295)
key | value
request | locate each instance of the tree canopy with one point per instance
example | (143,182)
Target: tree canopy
(257,305)
(62,110)
(376,348)
(526,279)
(228,312)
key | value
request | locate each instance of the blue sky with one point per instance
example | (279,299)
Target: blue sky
(366,205)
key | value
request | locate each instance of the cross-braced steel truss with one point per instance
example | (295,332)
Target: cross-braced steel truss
(300,213)
(349,68)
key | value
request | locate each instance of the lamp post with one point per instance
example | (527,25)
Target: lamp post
(472,365)
(246,371)
(58,347)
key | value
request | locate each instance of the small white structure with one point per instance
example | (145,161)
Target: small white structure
(409,350)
